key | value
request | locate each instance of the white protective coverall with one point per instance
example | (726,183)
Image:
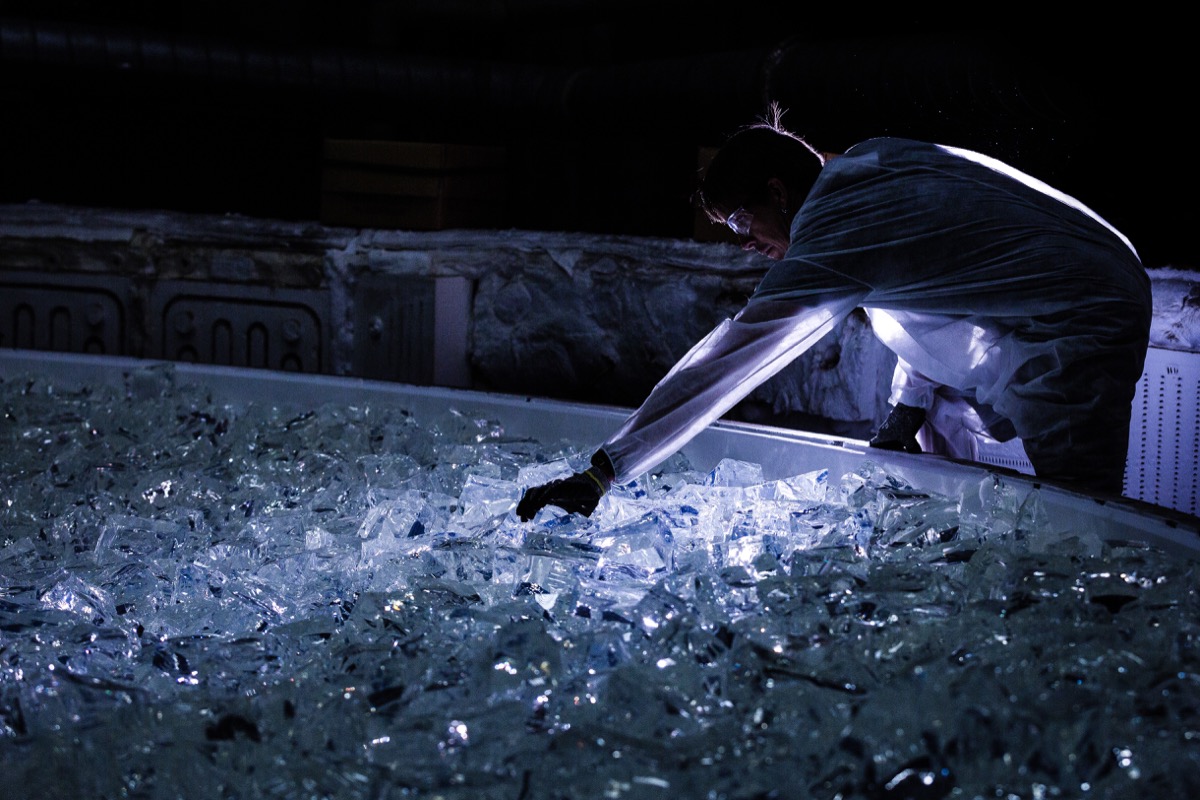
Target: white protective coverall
(995,291)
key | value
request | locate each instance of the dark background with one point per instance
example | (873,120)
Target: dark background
(602,107)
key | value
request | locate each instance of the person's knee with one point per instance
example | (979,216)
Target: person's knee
(1099,470)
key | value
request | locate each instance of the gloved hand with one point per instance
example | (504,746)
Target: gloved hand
(577,494)
(899,430)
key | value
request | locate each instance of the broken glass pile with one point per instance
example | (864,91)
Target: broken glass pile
(202,599)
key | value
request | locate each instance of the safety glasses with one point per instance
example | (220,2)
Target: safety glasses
(739,221)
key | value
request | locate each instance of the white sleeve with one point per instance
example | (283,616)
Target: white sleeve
(717,373)
(911,387)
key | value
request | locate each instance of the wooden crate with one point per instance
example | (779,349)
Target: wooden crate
(412,185)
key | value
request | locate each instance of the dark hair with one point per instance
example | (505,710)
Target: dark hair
(754,154)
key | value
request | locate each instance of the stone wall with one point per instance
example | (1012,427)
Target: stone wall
(568,316)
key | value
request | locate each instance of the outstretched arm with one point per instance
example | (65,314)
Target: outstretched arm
(718,372)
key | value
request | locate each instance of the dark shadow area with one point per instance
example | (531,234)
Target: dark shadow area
(602,109)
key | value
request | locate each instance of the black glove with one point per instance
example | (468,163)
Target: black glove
(899,430)
(577,494)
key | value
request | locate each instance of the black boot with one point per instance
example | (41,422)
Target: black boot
(899,430)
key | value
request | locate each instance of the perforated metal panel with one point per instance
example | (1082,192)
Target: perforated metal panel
(1164,439)
(1164,434)
(1010,454)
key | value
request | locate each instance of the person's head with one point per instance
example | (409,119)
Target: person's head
(757,181)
